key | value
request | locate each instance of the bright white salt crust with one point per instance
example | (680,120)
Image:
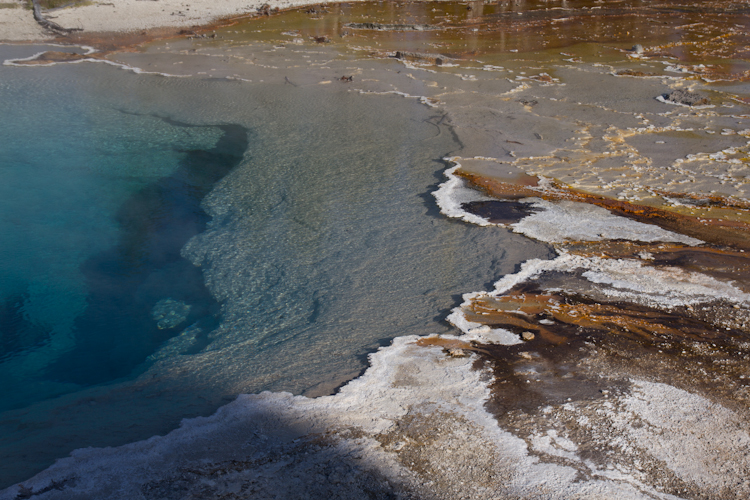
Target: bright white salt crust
(261,440)
(624,279)
(88,50)
(702,454)
(454,192)
(481,333)
(567,220)
(555,222)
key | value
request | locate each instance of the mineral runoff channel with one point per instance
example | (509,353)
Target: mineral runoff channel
(616,132)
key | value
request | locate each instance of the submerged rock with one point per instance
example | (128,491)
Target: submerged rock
(436,59)
(169,313)
(391,27)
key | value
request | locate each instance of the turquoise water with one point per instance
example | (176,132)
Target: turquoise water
(70,161)
(169,243)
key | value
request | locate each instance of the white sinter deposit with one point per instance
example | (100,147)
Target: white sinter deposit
(413,426)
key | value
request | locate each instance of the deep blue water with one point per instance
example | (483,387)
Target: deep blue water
(96,205)
(117,330)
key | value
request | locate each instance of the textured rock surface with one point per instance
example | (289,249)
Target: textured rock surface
(415,426)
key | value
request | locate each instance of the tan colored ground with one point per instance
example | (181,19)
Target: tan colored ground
(17,24)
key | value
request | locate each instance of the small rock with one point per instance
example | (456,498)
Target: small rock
(637,48)
(168,313)
(685,97)
(527,336)
(456,353)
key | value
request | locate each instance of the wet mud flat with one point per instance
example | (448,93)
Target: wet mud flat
(616,367)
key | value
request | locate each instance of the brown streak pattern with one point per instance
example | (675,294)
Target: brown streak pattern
(714,231)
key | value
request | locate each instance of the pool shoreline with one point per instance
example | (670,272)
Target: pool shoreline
(616,369)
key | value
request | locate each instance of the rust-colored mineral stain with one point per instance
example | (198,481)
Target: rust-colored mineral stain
(530,376)
(433,32)
(443,342)
(576,335)
(53,57)
(452,347)
(124,41)
(556,316)
(722,263)
(706,200)
(630,72)
(714,231)
(625,249)
(687,31)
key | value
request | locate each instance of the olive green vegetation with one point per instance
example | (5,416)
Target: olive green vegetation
(9,5)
